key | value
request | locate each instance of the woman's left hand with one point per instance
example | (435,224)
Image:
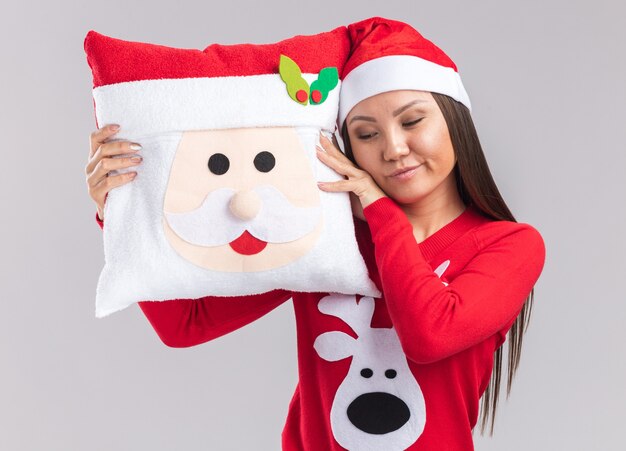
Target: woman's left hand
(358,181)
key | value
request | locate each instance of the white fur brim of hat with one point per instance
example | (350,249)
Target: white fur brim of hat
(398,72)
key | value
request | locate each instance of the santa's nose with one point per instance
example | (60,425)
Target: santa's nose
(245,204)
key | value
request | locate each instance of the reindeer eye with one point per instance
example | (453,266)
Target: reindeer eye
(367,373)
(390,374)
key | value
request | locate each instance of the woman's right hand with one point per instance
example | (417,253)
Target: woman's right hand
(99,183)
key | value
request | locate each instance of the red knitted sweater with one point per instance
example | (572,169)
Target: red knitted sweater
(402,372)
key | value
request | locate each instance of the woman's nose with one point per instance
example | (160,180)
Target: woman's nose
(245,204)
(396,147)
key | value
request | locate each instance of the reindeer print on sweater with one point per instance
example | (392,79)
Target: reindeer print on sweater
(379,404)
(355,390)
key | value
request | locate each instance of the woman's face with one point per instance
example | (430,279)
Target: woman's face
(401,139)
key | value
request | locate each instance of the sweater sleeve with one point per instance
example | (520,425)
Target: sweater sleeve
(100,223)
(434,321)
(181,323)
(188,322)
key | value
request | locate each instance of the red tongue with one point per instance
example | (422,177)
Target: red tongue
(246,244)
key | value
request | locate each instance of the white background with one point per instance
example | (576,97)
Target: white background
(547,81)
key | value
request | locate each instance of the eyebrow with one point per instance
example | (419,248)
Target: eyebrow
(362,118)
(395,113)
(407,106)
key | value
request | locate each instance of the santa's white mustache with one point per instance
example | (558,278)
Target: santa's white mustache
(213,223)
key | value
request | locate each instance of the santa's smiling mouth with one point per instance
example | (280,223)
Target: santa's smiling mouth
(246,244)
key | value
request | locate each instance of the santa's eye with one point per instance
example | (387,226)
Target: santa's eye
(219,164)
(390,374)
(367,373)
(264,161)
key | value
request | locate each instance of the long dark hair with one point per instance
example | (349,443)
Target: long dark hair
(477,187)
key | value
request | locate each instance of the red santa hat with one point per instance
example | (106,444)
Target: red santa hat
(149,88)
(388,55)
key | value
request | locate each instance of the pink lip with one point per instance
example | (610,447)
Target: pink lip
(404,172)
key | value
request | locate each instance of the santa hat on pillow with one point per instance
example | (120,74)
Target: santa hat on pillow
(151,89)
(388,55)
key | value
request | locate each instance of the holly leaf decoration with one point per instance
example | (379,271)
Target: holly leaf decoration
(290,73)
(326,81)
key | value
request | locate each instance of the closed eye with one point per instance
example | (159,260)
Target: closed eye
(410,124)
(366,136)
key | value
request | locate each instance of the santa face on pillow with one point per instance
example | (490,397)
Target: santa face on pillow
(225,202)
(230,203)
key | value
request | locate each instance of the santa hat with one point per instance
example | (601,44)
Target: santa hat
(388,55)
(150,89)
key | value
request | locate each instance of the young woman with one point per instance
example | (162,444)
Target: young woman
(405,371)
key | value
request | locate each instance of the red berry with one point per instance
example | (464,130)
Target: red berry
(316,96)
(301,96)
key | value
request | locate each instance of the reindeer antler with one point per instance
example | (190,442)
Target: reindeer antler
(442,268)
(356,315)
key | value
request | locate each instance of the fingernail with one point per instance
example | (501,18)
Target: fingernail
(135,147)
(114,127)
(136,159)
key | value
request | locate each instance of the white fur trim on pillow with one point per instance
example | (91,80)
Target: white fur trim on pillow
(155,106)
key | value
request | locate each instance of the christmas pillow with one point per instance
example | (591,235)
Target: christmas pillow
(225,202)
